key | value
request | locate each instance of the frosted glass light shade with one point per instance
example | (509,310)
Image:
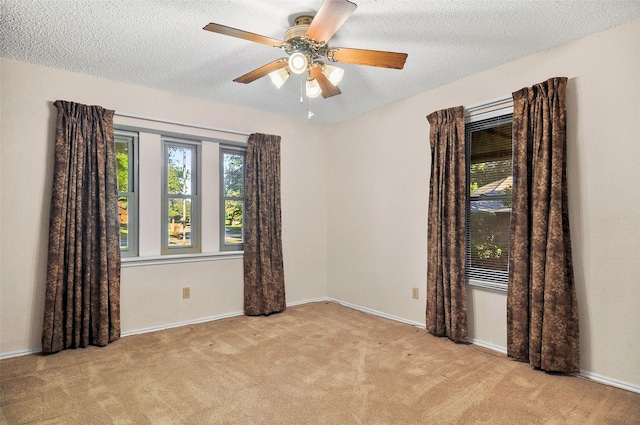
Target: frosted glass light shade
(333,74)
(278,77)
(312,87)
(298,63)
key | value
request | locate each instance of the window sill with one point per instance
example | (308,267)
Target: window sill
(477,283)
(153,260)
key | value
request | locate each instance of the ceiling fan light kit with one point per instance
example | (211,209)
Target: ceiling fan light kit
(305,42)
(312,87)
(298,63)
(333,73)
(279,77)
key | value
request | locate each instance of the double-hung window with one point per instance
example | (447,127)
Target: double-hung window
(232,177)
(126,160)
(489,150)
(180,197)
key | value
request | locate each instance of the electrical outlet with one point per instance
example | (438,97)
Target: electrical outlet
(414,293)
(186,292)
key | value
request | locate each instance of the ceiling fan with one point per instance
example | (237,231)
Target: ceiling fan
(306,42)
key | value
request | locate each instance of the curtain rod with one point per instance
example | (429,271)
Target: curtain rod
(184,124)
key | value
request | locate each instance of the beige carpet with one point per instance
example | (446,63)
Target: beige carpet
(318,363)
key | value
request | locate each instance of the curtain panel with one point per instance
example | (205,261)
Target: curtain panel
(446,290)
(542,310)
(82,302)
(264,290)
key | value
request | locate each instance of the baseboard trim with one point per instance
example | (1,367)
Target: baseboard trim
(488,345)
(208,319)
(308,301)
(377,313)
(20,353)
(608,381)
(184,323)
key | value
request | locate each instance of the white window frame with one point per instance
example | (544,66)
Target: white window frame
(194,197)
(131,138)
(483,111)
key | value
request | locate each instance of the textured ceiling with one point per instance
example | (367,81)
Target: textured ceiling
(161,43)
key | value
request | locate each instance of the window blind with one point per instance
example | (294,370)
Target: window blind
(489,182)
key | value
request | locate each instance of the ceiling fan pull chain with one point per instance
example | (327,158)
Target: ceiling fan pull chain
(310,114)
(301,89)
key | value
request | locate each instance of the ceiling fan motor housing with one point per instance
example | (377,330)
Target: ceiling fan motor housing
(299,29)
(297,41)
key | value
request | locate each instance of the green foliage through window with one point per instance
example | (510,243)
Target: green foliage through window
(233,172)
(125,143)
(180,197)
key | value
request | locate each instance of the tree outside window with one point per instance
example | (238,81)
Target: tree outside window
(233,198)
(181,198)
(126,145)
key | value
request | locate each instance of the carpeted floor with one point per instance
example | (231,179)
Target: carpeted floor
(318,363)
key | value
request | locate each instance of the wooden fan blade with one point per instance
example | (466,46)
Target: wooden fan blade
(369,57)
(245,35)
(262,71)
(328,89)
(331,15)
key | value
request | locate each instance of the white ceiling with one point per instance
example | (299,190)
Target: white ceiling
(161,44)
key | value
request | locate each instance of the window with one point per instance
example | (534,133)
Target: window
(180,202)
(126,159)
(181,193)
(232,178)
(489,183)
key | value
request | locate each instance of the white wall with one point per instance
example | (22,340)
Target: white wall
(151,296)
(379,185)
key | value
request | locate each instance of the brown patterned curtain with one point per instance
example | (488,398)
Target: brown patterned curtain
(446,290)
(542,311)
(82,304)
(263,265)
